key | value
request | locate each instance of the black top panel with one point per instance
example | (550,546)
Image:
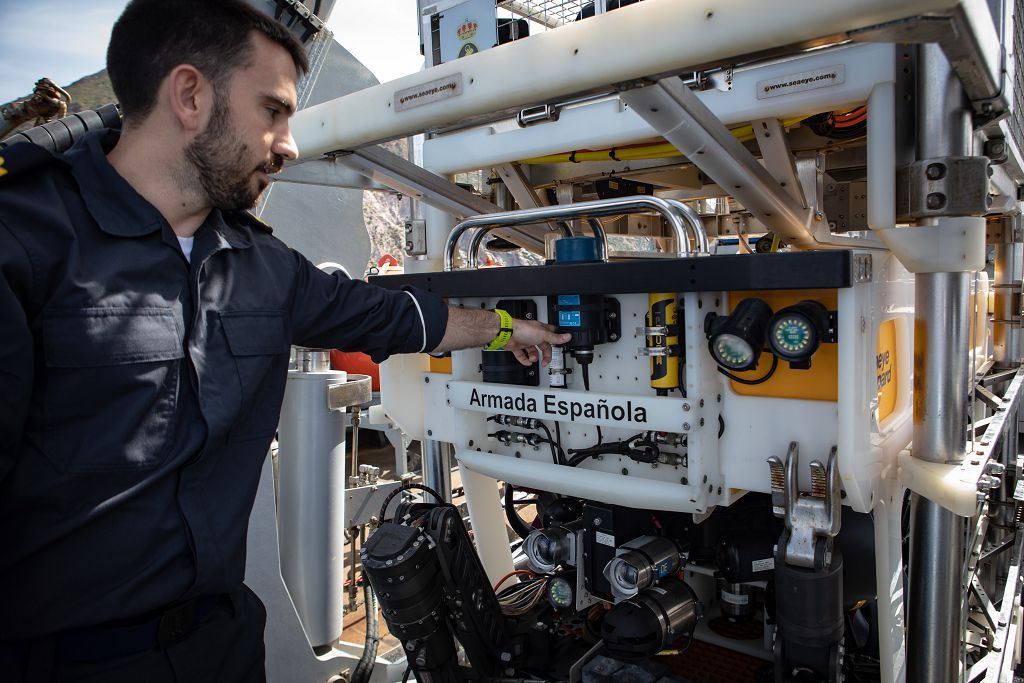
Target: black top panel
(796,270)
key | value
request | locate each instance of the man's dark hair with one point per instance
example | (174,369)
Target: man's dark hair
(153,36)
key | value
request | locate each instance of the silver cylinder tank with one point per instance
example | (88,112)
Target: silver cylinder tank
(311,501)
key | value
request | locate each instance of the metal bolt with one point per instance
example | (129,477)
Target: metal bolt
(996,469)
(935,171)
(430,432)
(701,403)
(935,201)
(686,426)
(987,482)
(686,407)
(597,521)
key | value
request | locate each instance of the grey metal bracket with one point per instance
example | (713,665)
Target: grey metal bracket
(676,113)
(355,391)
(812,519)
(943,186)
(362,504)
(416,237)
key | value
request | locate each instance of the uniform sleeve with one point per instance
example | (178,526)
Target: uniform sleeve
(16,350)
(334,311)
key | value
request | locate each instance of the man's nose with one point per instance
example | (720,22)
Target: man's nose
(285,146)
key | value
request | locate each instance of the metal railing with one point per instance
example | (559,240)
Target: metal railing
(680,218)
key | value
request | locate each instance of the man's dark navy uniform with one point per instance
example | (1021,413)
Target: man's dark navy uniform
(139,392)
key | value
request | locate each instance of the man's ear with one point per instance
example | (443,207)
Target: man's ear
(190,97)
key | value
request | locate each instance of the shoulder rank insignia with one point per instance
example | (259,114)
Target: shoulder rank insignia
(23,157)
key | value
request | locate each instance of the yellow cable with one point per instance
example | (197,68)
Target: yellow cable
(658,150)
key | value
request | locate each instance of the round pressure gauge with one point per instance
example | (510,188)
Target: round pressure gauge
(795,332)
(792,335)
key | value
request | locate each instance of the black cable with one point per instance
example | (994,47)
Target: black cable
(558,457)
(521,528)
(405,676)
(771,371)
(407,487)
(611,448)
(577,459)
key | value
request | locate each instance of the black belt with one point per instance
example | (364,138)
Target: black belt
(122,638)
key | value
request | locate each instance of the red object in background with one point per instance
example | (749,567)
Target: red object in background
(356,363)
(387,259)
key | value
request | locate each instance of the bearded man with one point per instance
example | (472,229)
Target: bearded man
(145,326)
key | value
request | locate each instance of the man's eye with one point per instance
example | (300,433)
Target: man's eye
(273,113)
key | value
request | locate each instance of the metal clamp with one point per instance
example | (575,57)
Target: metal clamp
(356,390)
(943,186)
(812,520)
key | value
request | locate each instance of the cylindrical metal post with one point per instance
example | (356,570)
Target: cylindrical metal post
(941,377)
(311,498)
(941,372)
(940,405)
(437,467)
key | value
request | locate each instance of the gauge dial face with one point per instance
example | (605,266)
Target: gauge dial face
(792,336)
(732,351)
(560,593)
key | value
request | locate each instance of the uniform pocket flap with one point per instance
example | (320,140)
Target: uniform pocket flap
(255,333)
(93,337)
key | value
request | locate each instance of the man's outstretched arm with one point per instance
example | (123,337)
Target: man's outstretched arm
(472,327)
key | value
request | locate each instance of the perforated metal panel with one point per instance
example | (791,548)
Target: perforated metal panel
(1017,116)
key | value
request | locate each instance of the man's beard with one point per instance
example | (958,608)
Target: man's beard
(223,171)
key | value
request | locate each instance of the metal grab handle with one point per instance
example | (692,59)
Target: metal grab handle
(678,219)
(700,242)
(595,226)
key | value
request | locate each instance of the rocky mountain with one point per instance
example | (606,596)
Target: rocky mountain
(381,211)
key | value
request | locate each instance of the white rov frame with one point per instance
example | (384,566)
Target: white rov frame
(662,36)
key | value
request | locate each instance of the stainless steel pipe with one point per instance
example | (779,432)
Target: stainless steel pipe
(941,377)
(594,209)
(437,467)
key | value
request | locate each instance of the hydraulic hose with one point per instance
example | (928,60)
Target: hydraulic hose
(364,667)
(521,528)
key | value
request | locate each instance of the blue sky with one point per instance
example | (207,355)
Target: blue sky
(64,40)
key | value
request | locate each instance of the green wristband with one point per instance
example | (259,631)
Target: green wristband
(504,334)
